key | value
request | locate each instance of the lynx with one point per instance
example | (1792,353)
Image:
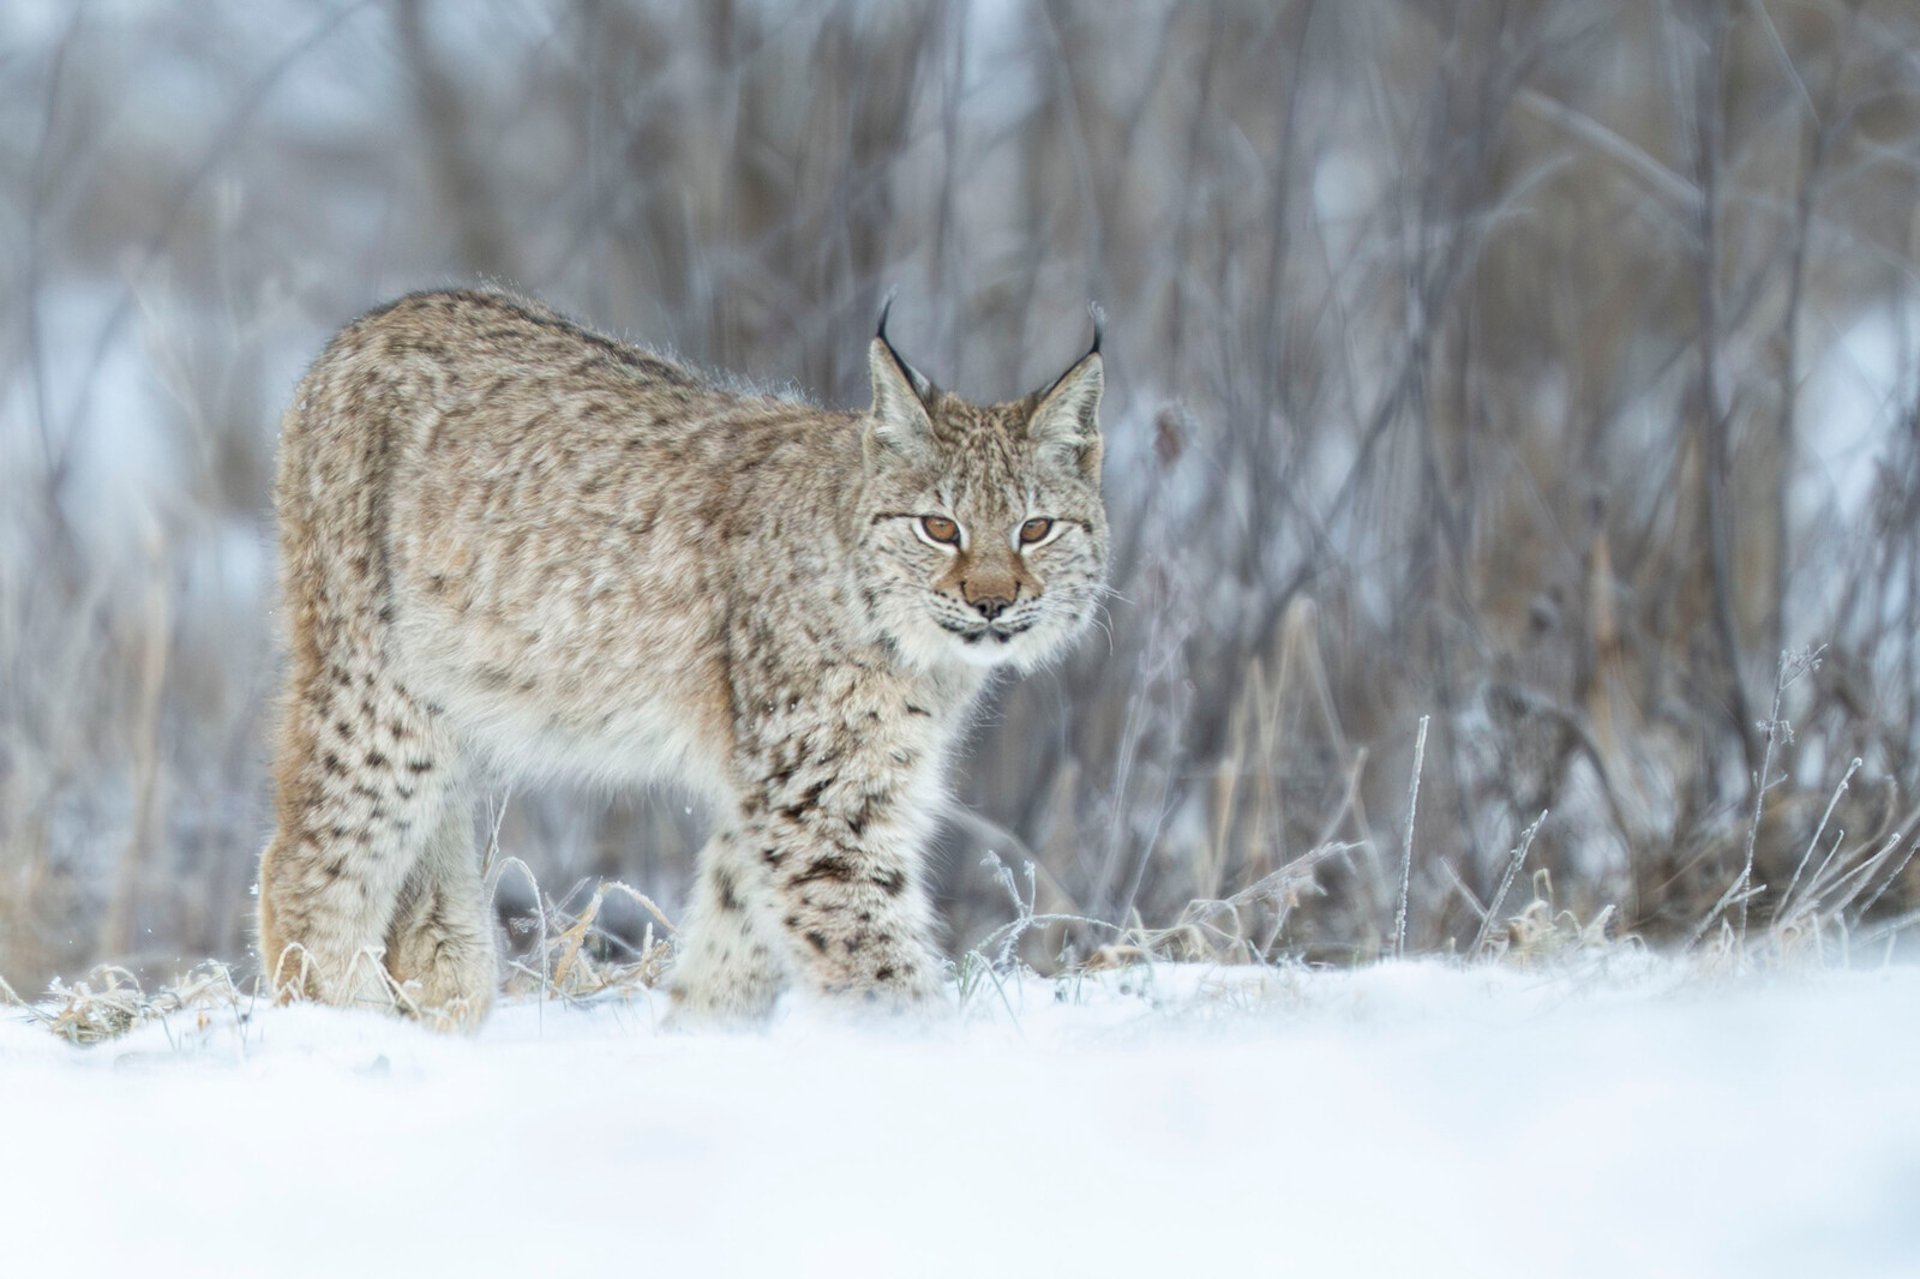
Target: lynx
(512,547)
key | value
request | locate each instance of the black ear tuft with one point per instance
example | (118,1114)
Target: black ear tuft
(1065,419)
(901,396)
(923,387)
(1094,309)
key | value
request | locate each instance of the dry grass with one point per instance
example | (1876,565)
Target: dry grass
(111,1001)
(569,956)
(563,952)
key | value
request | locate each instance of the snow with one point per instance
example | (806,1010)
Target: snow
(1635,1116)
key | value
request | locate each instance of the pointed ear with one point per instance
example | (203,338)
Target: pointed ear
(1065,424)
(898,418)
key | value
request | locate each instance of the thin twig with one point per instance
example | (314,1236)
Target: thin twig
(1514,863)
(1786,898)
(1406,849)
(1792,667)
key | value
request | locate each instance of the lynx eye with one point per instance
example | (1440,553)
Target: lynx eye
(1034,530)
(940,529)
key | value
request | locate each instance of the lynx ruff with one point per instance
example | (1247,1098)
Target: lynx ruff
(513,547)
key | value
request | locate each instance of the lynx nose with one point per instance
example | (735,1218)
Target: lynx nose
(991,606)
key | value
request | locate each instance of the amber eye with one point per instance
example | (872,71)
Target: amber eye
(940,528)
(1033,530)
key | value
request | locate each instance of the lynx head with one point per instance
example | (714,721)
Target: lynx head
(984,539)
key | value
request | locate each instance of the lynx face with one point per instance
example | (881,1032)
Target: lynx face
(986,540)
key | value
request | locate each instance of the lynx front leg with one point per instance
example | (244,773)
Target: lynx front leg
(841,859)
(855,917)
(728,968)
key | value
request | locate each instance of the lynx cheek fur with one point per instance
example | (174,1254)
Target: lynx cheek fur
(511,546)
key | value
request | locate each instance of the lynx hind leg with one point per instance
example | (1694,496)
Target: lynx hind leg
(727,970)
(362,788)
(441,944)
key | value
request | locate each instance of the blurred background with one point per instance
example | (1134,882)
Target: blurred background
(1536,371)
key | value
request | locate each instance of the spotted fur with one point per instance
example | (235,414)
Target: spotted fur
(513,546)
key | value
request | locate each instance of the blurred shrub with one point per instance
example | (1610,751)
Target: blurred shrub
(1541,367)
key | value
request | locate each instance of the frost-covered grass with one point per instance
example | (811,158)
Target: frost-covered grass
(1615,1114)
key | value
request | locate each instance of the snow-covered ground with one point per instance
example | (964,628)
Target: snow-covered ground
(1625,1117)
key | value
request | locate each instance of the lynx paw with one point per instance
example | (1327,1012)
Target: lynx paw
(906,983)
(446,982)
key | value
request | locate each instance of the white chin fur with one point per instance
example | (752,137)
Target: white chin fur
(986,651)
(1027,652)
(929,646)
